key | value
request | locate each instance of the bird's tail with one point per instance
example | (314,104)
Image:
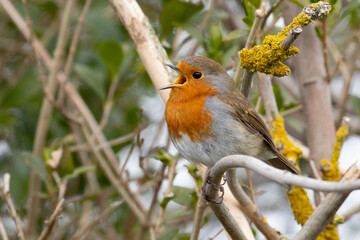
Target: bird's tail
(282,162)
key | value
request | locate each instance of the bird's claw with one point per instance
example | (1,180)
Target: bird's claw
(220,188)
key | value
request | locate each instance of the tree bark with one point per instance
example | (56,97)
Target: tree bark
(315,92)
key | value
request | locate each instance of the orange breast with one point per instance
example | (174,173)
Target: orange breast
(185,113)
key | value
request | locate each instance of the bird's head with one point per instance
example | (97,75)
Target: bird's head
(198,74)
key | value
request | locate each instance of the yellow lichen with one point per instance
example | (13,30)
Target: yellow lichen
(330,233)
(300,204)
(298,198)
(268,57)
(289,149)
(330,169)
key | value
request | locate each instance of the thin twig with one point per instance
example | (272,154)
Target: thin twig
(347,78)
(249,207)
(133,203)
(271,10)
(46,112)
(325,50)
(5,194)
(251,186)
(3,233)
(170,177)
(113,142)
(351,213)
(74,43)
(259,15)
(202,27)
(51,222)
(149,215)
(85,229)
(109,101)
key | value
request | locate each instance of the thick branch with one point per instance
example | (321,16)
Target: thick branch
(325,212)
(279,176)
(146,42)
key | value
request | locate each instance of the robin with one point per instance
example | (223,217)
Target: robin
(208,118)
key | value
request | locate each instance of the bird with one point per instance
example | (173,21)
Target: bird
(209,118)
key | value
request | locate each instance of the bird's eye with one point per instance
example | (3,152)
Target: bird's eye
(197,75)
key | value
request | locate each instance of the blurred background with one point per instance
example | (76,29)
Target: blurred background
(112,81)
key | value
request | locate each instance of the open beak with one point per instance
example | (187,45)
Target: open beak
(174,84)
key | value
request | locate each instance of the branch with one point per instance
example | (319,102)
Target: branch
(279,176)
(259,15)
(3,233)
(268,57)
(249,207)
(50,224)
(324,213)
(5,194)
(222,212)
(146,42)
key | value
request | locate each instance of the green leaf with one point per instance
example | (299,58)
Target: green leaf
(164,157)
(36,164)
(249,12)
(176,11)
(80,170)
(21,93)
(112,56)
(355,104)
(215,36)
(297,2)
(193,31)
(166,200)
(255,3)
(67,161)
(236,34)
(93,78)
(184,196)
(6,119)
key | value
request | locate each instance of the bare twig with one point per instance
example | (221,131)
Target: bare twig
(109,102)
(267,94)
(347,78)
(324,213)
(351,213)
(46,112)
(259,15)
(51,222)
(170,177)
(159,179)
(199,212)
(202,27)
(3,233)
(5,194)
(249,207)
(82,232)
(271,10)
(113,142)
(133,203)
(74,43)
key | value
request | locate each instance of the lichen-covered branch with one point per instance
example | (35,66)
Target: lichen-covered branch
(268,57)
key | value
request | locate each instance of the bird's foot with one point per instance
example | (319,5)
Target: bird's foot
(208,181)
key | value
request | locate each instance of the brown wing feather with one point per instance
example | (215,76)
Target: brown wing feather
(244,112)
